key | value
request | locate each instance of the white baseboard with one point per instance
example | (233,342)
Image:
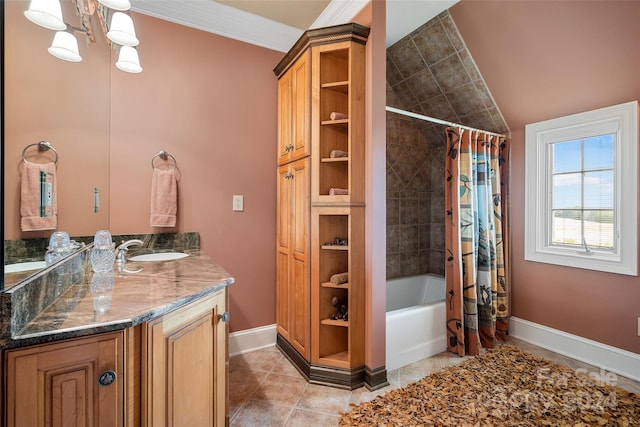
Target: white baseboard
(252,339)
(604,356)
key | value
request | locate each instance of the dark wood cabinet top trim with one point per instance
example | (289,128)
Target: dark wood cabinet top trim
(345,32)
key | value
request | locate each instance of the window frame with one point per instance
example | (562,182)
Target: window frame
(621,119)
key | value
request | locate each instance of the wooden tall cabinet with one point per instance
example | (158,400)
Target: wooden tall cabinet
(320,229)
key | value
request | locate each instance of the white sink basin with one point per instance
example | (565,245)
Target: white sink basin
(24,266)
(163,256)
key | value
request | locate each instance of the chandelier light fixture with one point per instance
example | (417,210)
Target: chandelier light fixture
(119,31)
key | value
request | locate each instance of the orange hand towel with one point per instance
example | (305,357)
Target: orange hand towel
(164,198)
(38,197)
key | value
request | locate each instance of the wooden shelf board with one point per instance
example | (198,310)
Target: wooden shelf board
(334,159)
(342,357)
(333,285)
(335,247)
(335,122)
(342,86)
(330,322)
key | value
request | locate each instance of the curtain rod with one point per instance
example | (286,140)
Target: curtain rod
(438,121)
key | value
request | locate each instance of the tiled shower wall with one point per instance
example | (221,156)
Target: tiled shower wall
(415,197)
(429,72)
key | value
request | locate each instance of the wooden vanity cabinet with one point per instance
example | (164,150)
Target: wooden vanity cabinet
(171,371)
(185,366)
(60,384)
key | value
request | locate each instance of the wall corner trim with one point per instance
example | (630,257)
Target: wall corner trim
(253,339)
(601,355)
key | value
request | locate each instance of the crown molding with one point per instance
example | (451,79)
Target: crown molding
(339,12)
(223,20)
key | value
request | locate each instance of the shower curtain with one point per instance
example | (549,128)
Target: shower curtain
(477,299)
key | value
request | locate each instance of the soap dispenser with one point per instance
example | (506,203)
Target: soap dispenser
(103,252)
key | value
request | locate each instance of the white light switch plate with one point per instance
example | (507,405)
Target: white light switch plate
(238,203)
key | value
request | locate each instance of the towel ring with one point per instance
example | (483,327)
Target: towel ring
(164,156)
(42,146)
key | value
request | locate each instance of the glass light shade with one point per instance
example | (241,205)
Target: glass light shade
(46,13)
(121,30)
(65,46)
(128,60)
(116,4)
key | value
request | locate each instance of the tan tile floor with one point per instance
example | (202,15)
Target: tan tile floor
(266,390)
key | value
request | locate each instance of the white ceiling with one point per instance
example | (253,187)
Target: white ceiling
(277,24)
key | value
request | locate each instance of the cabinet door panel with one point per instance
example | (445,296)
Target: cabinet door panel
(57,384)
(299,270)
(69,398)
(186,365)
(285,95)
(283,250)
(190,374)
(282,294)
(301,107)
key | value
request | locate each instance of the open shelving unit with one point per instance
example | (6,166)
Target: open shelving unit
(341,90)
(340,342)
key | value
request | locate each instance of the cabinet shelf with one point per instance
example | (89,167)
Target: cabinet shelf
(342,357)
(335,247)
(339,123)
(333,285)
(331,322)
(334,159)
(341,86)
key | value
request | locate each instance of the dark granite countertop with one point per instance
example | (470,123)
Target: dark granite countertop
(116,300)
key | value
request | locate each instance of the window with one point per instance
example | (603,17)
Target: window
(581,185)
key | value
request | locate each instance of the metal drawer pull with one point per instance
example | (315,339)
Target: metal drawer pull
(224,317)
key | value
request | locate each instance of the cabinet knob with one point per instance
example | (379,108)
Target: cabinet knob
(224,317)
(107,378)
(288,175)
(289,148)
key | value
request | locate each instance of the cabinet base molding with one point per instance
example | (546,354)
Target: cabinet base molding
(348,379)
(375,379)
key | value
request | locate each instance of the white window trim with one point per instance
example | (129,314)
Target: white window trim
(622,119)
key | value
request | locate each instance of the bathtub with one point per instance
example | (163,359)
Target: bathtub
(415,319)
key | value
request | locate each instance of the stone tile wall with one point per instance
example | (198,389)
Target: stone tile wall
(429,72)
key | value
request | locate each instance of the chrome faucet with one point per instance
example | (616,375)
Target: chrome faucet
(124,248)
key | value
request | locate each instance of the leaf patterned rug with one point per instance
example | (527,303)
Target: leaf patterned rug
(503,387)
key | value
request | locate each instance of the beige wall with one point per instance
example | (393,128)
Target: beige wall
(211,103)
(543,60)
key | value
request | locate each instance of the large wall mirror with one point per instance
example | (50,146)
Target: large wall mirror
(64,103)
